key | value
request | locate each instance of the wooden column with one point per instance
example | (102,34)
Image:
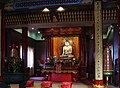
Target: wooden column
(82,51)
(3,38)
(86,50)
(51,46)
(46,39)
(80,47)
(48,46)
(24,46)
(119,41)
(91,63)
(115,54)
(2,41)
(98,44)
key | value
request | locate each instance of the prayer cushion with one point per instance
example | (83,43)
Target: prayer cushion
(30,83)
(66,85)
(46,84)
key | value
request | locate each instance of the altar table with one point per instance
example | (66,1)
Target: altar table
(61,76)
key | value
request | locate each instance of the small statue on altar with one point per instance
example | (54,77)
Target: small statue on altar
(67,48)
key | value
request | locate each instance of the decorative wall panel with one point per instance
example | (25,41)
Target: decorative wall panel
(68,16)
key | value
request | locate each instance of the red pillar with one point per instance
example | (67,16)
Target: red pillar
(24,46)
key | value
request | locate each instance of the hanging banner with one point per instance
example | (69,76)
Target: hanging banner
(98,41)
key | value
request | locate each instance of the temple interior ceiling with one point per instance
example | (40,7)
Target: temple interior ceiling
(77,14)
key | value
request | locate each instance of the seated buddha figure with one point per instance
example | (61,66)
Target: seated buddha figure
(67,49)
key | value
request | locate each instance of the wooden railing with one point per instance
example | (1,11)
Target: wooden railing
(71,16)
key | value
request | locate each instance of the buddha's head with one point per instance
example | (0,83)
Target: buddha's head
(67,43)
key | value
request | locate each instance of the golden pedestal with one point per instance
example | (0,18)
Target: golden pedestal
(97,86)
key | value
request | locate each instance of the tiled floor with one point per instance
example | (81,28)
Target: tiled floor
(57,85)
(74,85)
(81,84)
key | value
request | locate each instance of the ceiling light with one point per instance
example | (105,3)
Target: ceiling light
(46,10)
(60,9)
(38,32)
(32,28)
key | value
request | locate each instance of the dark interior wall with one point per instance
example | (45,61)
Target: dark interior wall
(41,50)
(13,37)
(91,60)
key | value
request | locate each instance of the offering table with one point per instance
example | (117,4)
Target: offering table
(60,76)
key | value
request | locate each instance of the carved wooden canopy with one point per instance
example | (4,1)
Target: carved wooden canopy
(61,31)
